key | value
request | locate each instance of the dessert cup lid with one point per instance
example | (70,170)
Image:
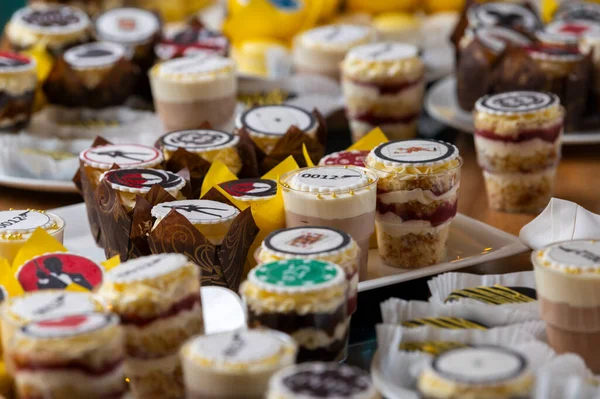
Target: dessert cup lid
(307,242)
(127,25)
(14,62)
(578,10)
(414,152)
(383,52)
(200,67)
(198,211)
(328,179)
(146,268)
(93,55)
(140,180)
(250,189)
(51,19)
(123,155)
(69,325)
(353,157)
(25,221)
(571,257)
(275,120)
(198,140)
(297,275)
(517,102)
(338,36)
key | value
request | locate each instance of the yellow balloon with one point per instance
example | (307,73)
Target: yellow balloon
(432,6)
(378,6)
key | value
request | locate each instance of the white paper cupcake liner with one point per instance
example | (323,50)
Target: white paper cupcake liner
(550,386)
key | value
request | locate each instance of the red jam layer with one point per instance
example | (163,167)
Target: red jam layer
(73,365)
(186,303)
(441,214)
(372,119)
(388,88)
(549,134)
(436,189)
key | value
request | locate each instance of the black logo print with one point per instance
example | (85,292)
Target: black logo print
(190,208)
(235,346)
(121,154)
(584,253)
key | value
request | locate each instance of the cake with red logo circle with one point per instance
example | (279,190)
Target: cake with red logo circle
(250,190)
(353,157)
(190,39)
(18,80)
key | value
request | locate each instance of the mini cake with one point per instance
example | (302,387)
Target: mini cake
(56,27)
(509,15)
(191,91)
(321,380)
(398,27)
(578,10)
(211,145)
(235,365)
(18,80)
(518,143)
(158,300)
(494,295)
(306,299)
(251,190)
(75,356)
(353,157)
(131,182)
(321,50)
(433,348)
(321,243)
(189,40)
(383,86)
(16,227)
(477,372)
(211,218)
(342,197)
(417,198)
(451,323)
(59,270)
(267,124)
(568,282)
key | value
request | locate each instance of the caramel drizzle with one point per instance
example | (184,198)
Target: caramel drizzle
(496,295)
(452,323)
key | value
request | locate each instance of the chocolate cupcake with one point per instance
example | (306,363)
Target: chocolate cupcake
(18,80)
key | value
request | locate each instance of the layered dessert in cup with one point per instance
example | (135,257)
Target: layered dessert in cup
(321,243)
(267,124)
(158,300)
(477,372)
(321,50)
(568,285)
(319,380)
(54,26)
(75,356)
(209,144)
(383,86)
(16,226)
(235,365)
(518,143)
(18,80)
(342,197)
(190,91)
(417,198)
(211,218)
(306,299)
(250,190)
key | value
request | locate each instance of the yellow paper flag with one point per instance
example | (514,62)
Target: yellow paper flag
(309,161)
(8,283)
(39,243)
(370,141)
(112,262)
(287,165)
(217,174)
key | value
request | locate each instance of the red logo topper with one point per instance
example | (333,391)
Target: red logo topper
(574,28)
(410,150)
(67,321)
(305,240)
(127,24)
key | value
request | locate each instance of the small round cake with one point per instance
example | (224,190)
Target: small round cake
(320,381)
(321,50)
(16,226)
(267,124)
(191,91)
(211,218)
(18,80)
(102,158)
(127,26)
(353,158)
(56,27)
(251,190)
(211,145)
(508,15)
(189,40)
(306,299)
(321,243)
(383,86)
(93,61)
(477,372)
(235,364)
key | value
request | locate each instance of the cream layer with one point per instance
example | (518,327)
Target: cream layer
(425,197)
(18,83)
(580,290)
(366,99)
(178,91)
(314,338)
(342,206)
(404,70)
(498,148)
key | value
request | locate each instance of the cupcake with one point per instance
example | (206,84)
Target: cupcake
(383,86)
(211,218)
(190,39)
(16,226)
(210,145)
(352,157)
(158,300)
(75,356)
(306,299)
(477,372)
(56,27)
(235,364)
(267,124)
(322,243)
(321,50)
(251,190)
(518,143)
(18,80)
(567,282)
(417,198)
(321,380)
(398,27)
(191,91)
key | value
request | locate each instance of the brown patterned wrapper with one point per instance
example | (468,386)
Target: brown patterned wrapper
(65,87)
(196,166)
(250,154)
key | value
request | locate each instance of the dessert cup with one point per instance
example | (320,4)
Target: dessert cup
(417,197)
(383,86)
(189,92)
(342,197)
(306,299)
(250,190)
(18,80)
(518,143)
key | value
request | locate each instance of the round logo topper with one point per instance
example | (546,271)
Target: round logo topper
(71,325)
(53,19)
(327,380)
(97,54)
(517,102)
(142,180)
(197,211)
(503,14)
(297,274)
(275,120)
(329,178)
(304,241)
(497,37)
(576,253)
(248,189)
(58,271)
(124,155)
(46,304)
(202,63)
(244,346)
(417,151)
(386,51)
(127,25)
(23,221)
(338,34)
(354,158)
(13,62)
(146,267)
(198,140)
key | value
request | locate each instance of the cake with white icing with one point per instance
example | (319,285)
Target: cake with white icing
(235,365)
(18,80)
(417,197)
(158,300)
(92,62)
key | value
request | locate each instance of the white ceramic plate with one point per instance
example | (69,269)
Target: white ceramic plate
(441,103)
(54,186)
(389,391)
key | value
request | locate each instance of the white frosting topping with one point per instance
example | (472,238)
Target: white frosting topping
(23,221)
(146,267)
(496,37)
(303,241)
(199,140)
(197,211)
(127,25)
(517,102)
(335,36)
(55,19)
(387,51)
(203,65)
(238,347)
(52,303)
(329,179)
(124,155)
(572,29)
(503,14)
(70,325)
(572,256)
(13,62)
(275,120)
(415,152)
(91,55)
